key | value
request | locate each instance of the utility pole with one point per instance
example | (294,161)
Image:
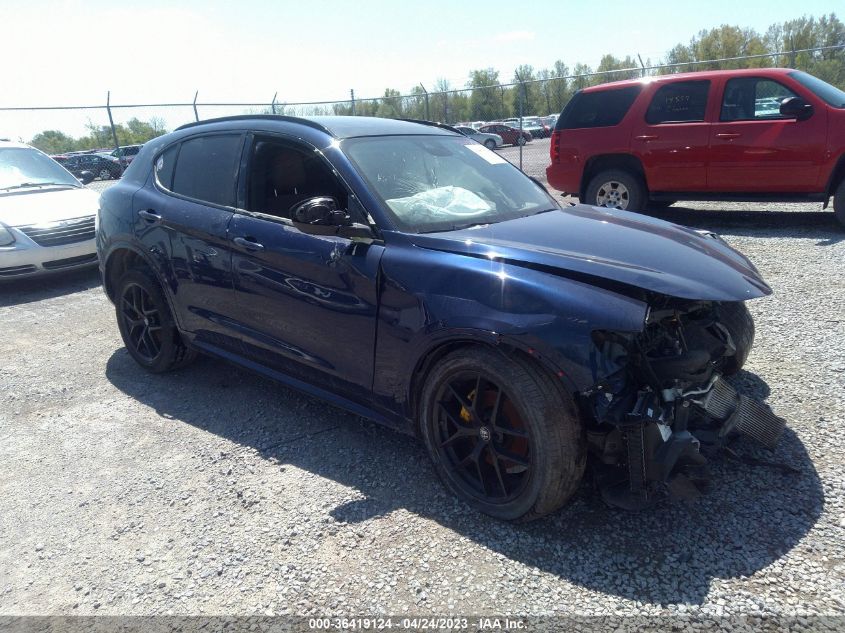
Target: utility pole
(273,103)
(352,97)
(427,109)
(111,121)
(196,114)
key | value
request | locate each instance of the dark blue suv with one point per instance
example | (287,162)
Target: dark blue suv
(407,273)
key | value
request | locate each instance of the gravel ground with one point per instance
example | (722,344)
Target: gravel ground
(214,491)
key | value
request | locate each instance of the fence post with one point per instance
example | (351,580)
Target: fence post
(521,94)
(352,96)
(111,121)
(196,115)
(427,109)
(445,107)
(642,72)
(502,91)
(273,103)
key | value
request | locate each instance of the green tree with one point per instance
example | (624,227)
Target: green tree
(53,142)
(485,103)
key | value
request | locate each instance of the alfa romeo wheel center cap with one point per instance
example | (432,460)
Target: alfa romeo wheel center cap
(484,433)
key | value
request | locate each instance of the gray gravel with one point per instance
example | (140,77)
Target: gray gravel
(213,491)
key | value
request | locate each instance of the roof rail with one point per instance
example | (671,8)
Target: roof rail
(263,117)
(444,126)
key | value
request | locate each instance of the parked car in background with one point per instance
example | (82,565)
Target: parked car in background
(126,154)
(510,135)
(103,166)
(772,134)
(534,127)
(46,215)
(401,271)
(490,141)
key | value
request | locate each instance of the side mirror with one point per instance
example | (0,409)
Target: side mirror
(86,177)
(796,108)
(318,211)
(320,216)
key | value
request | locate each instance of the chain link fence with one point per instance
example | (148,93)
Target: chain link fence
(519,104)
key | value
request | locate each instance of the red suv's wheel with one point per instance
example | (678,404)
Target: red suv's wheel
(616,189)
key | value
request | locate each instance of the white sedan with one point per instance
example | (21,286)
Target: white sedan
(46,215)
(490,141)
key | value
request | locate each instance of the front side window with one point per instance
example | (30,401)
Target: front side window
(207,169)
(753,98)
(604,108)
(441,183)
(678,102)
(283,174)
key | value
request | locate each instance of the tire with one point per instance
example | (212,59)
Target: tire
(524,467)
(146,324)
(839,203)
(521,141)
(617,189)
(104,174)
(490,143)
(740,324)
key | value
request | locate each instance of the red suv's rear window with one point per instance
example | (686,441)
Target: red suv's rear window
(597,109)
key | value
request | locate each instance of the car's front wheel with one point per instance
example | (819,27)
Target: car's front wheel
(740,325)
(503,434)
(616,189)
(147,326)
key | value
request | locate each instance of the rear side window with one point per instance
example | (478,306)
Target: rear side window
(207,169)
(597,109)
(678,102)
(164,167)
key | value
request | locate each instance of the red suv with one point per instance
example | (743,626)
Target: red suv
(761,134)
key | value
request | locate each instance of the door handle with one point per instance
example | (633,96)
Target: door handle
(249,245)
(728,135)
(647,137)
(150,216)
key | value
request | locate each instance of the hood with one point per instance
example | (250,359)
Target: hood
(42,206)
(627,248)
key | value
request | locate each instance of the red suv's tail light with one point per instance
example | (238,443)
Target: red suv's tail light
(554,148)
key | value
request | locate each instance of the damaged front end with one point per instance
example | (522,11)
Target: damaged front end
(664,407)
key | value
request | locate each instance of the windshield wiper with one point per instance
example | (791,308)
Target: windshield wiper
(24,185)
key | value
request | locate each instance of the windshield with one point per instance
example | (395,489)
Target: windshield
(829,94)
(441,183)
(25,167)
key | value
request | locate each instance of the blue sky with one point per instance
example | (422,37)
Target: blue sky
(72,52)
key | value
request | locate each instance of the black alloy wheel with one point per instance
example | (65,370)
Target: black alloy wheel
(146,324)
(502,432)
(482,438)
(142,321)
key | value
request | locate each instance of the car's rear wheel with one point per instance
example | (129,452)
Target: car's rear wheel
(503,434)
(740,324)
(521,140)
(490,143)
(147,326)
(839,203)
(616,189)
(104,174)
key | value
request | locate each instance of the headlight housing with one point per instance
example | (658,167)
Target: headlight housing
(6,237)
